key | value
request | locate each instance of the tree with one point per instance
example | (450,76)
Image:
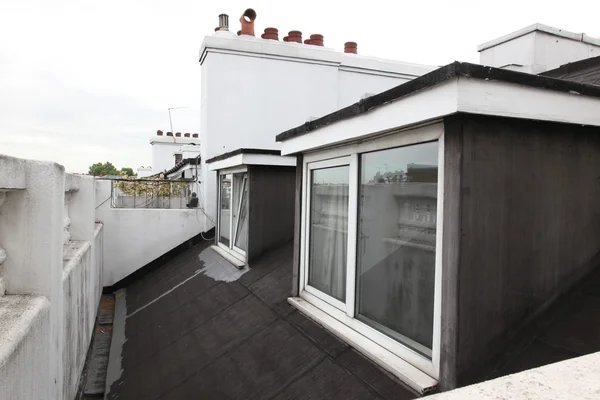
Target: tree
(127,171)
(107,168)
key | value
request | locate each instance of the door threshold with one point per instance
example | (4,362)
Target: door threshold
(239,264)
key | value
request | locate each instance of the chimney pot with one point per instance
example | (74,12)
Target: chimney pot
(316,39)
(271,34)
(307,41)
(178,134)
(239,33)
(350,47)
(286,38)
(169,133)
(223,22)
(159,133)
(295,36)
(195,136)
(186,135)
(247,20)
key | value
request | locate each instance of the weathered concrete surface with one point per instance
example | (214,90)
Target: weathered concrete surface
(24,327)
(13,174)
(82,288)
(572,379)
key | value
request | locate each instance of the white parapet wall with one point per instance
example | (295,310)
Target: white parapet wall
(50,278)
(577,378)
(135,237)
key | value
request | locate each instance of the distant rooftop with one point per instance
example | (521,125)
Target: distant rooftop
(579,37)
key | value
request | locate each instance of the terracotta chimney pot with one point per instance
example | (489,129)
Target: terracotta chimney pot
(169,133)
(186,135)
(307,41)
(247,20)
(286,38)
(178,134)
(159,133)
(295,36)
(350,47)
(195,136)
(316,39)
(271,34)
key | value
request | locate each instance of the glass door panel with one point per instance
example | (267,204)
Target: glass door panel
(241,219)
(396,243)
(328,230)
(225,210)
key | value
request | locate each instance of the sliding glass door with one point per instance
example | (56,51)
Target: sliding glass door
(233,212)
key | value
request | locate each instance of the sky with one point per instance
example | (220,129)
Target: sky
(87,81)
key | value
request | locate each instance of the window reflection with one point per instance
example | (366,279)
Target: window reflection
(396,243)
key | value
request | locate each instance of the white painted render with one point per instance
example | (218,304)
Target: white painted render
(461,94)
(49,305)
(538,48)
(163,150)
(135,237)
(576,378)
(253,89)
(143,172)
(253,159)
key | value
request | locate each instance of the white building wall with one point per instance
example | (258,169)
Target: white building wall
(163,149)
(135,237)
(538,48)
(253,89)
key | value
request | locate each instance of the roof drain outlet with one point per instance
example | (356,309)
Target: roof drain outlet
(247,20)
(223,22)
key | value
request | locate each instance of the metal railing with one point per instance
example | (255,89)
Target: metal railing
(149,193)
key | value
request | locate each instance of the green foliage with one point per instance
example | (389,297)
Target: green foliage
(158,188)
(127,171)
(107,168)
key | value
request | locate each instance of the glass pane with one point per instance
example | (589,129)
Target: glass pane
(241,234)
(329,230)
(396,243)
(225,210)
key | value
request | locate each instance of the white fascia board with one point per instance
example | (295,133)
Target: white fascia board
(230,162)
(417,108)
(269,159)
(579,37)
(503,99)
(252,159)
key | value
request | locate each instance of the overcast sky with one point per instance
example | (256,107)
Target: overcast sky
(86,81)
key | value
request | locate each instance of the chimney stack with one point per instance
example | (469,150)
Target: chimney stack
(350,47)
(223,22)
(159,133)
(186,135)
(247,20)
(169,133)
(195,136)
(294,36)
(178,134)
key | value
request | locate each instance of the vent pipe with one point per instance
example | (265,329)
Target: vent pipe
(247,20)
(223,22)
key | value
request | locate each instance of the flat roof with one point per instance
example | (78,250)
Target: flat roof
(579,37)
(246,156)
(459,98)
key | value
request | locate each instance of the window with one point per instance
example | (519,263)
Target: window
(233,213)
(369,248)
(178,158)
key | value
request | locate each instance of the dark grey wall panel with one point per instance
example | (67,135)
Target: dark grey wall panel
(530,224)
(271,202)
(297,225)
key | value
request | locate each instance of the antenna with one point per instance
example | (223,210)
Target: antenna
(170,120)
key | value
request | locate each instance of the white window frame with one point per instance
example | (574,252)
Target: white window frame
(232,249)
(344,313)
